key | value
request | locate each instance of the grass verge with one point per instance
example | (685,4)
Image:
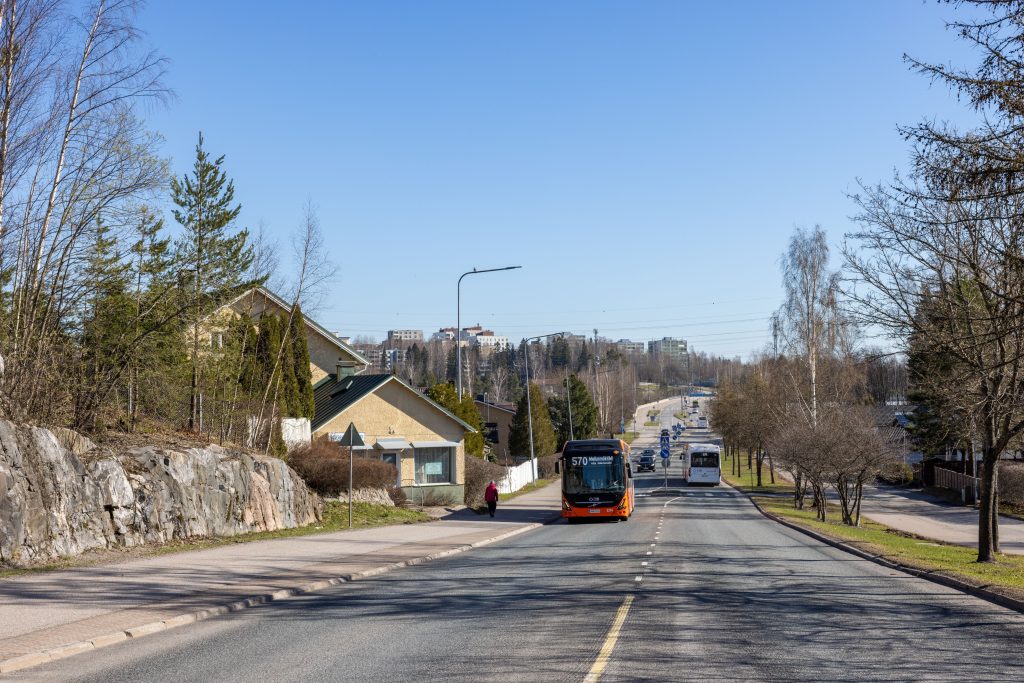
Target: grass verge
(539,484)
(957,561)
(652,424)
(335,518)
(746,481)
(920,553)
(628,437)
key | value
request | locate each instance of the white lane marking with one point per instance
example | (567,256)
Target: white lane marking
(643,564)
(605,654)
(649,552)
(639,579)
(653,544)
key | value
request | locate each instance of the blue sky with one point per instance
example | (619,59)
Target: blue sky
(645,162)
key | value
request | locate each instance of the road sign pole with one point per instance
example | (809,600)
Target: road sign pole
(351,439)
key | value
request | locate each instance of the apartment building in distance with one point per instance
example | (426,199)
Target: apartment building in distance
(630,347)
(405,337)
(486,340)
(670,348)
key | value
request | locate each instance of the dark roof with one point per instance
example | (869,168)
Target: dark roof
(330,396)
(506,407)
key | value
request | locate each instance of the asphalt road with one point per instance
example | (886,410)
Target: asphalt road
(725,594)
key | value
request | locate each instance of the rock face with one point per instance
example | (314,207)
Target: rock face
(57,502)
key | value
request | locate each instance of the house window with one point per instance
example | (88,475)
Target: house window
(433,465)
(390,458)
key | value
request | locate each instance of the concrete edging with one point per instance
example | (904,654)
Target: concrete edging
(977,591)
(31,659)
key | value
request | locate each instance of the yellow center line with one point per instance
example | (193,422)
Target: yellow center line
(605,655)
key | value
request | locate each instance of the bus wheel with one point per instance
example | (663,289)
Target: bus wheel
(570,520)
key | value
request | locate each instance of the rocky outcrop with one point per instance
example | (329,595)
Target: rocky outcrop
(63,496)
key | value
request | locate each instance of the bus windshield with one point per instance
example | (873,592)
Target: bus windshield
(704,460)
(591,473)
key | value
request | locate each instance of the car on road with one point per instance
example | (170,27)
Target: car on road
(702,423)
(646,461)
(664,432)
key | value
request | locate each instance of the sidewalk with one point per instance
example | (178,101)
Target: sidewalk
(920,514)
(50,615)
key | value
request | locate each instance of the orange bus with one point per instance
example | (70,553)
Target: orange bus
(597,481)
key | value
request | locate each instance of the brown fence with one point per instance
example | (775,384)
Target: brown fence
(964,484)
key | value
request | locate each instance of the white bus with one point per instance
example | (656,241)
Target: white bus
(702,422)
(702,464)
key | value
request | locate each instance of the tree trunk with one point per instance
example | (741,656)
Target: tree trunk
(760,461)
(987,520)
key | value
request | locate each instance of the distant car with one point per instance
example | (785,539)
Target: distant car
(702,423)
(664,432)
(648,451)
(645,462)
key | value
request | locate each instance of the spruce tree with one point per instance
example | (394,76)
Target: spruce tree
(445,395)
(107,326)
(300,360)
(288,398)
(583,412)
(214,257)
(544,440)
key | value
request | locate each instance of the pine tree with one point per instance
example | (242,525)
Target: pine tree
(214,258)
(544,440)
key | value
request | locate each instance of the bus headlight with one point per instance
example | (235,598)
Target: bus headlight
(565,505)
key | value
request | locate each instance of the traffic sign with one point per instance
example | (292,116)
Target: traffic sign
(665,453)
(664,441)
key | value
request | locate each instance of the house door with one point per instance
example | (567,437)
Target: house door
(392,459)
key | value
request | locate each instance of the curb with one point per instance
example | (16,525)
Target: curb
(981,592)
(31,659)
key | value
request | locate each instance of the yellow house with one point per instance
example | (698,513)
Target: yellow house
(399,425)
(328,355)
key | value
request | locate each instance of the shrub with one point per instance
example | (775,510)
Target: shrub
(323,465)
(546,466)
(479,473)
(398,496)
(431,498)
(1011,483)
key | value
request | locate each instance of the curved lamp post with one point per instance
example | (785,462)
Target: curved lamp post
(458,318)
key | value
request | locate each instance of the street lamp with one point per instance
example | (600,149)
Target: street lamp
(458,318)
(529,403)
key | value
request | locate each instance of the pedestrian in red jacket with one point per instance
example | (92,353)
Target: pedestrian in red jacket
(491,496)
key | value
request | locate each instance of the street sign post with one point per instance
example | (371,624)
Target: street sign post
(350,438)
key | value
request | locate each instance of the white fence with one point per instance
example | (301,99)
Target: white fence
(295,432)
(516,477)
